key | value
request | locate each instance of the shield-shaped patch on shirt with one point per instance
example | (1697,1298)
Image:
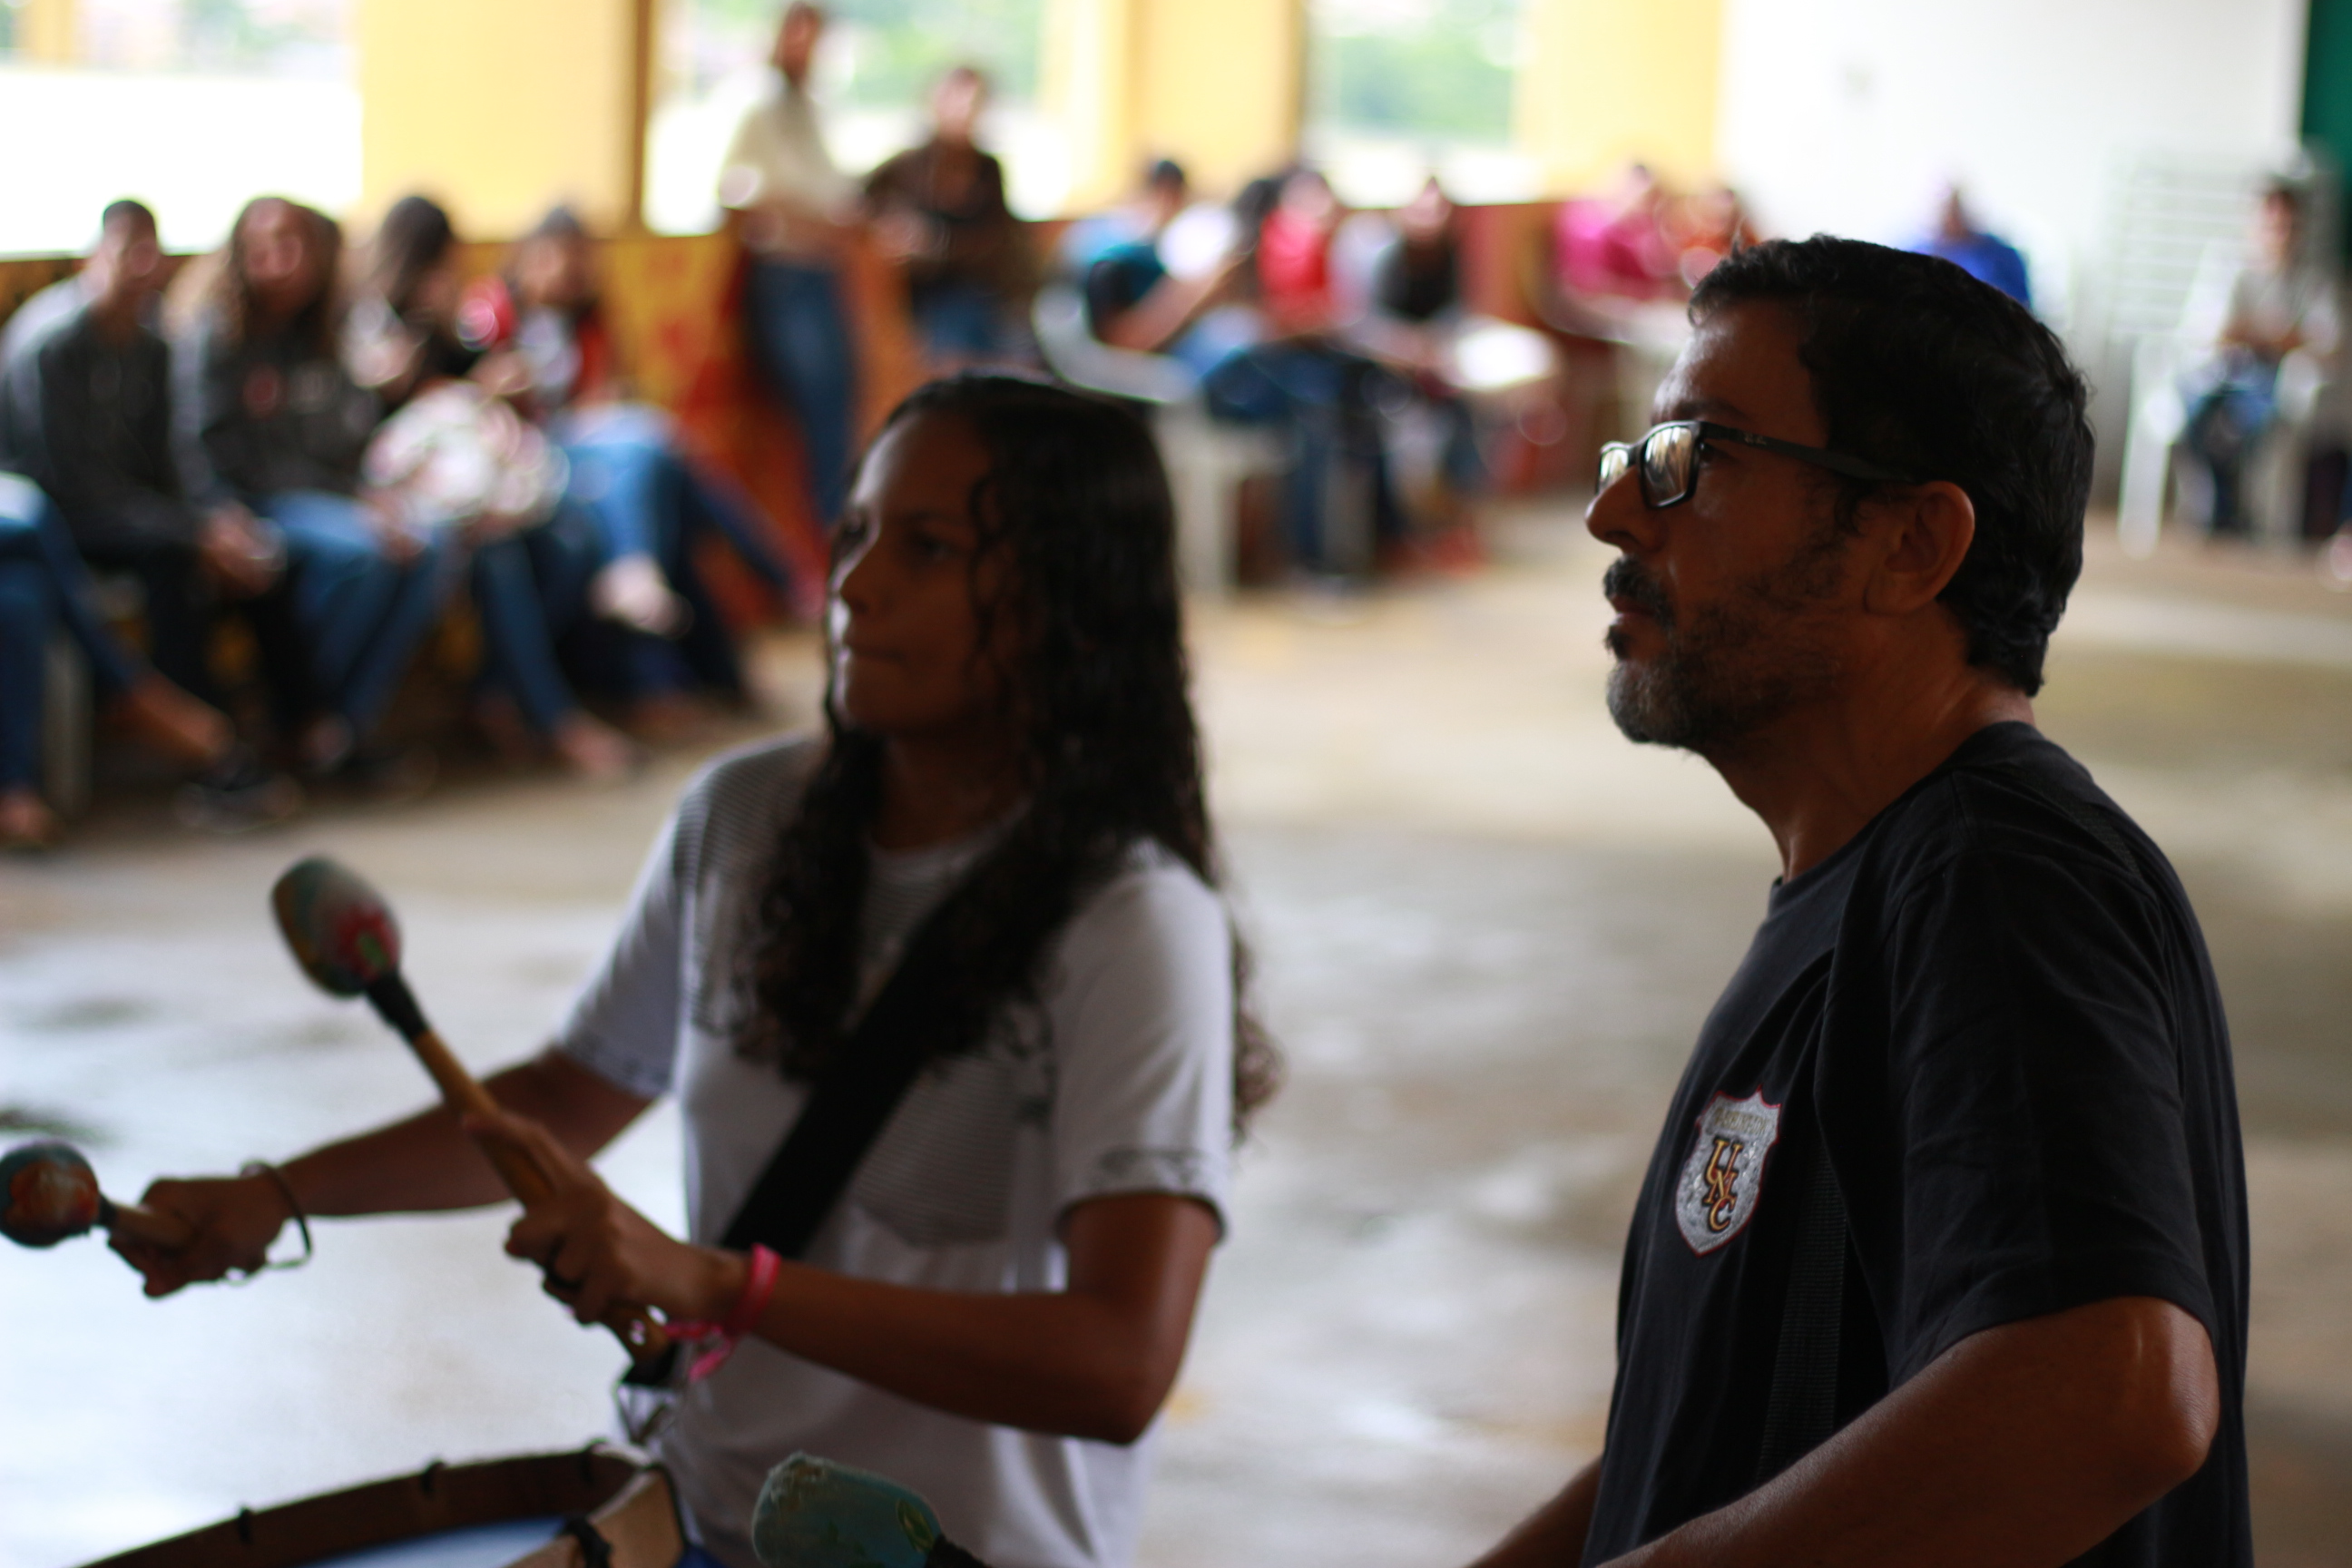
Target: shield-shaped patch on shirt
(1724,1174)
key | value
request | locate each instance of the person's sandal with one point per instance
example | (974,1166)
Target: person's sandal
(632,592)
(238,795)
(594,751)
(174,722)
(27,824)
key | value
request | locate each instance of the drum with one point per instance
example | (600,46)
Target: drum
(522,1512)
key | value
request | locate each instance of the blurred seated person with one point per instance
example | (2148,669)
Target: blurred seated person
(1414,318)
(795,212)
(85,391)
(1163,195)
(1617,247)
(530,560)
(265,417)
(1140,298)
(651,506)
(45,588)
(1977,251)
(1294,255)
(1707,227)
(1281,363)
(2275,301)
(1416,280)
(939,211)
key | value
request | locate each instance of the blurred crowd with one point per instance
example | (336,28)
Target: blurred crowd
(330,446)
(330,452)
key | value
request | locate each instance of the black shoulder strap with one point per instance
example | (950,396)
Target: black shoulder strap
(1802,1411)
(851,1099)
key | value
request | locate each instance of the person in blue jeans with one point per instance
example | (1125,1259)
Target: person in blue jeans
(655,633)
(651,506)
(2279,301)
(265,414)
(364,620)
(1308,386)
(795,212)
(532,589)
(800,338)
(1325,398)
(407,340)
(45,588)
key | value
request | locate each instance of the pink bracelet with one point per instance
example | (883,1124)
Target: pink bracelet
(757,1286)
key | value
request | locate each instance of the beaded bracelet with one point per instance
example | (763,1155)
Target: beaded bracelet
(759,1284)
(293,1208)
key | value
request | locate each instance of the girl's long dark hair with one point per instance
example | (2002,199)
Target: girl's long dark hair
(413,239)
(238,306)
(1075,495)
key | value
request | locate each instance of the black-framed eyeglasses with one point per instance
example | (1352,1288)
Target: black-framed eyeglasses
(1667,459)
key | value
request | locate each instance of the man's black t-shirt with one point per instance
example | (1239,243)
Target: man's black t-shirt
(2009,1036)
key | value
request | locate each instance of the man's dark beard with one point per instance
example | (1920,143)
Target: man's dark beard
(1734,664)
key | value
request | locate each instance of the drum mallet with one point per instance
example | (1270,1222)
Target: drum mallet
(48,1193)
(814,1514)
(345,937)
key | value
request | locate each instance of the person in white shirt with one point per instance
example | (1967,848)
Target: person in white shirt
(795,210)
(994,1311)
(2273,304)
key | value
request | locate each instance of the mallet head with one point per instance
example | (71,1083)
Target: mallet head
(341,930)
(814,1514)
(48,1193)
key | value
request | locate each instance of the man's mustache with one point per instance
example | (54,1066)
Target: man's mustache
(1626,579)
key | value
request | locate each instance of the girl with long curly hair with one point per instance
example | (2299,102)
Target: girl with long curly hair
(268,419)
(1008,794)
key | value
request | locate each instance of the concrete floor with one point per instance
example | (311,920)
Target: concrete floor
(1486,928)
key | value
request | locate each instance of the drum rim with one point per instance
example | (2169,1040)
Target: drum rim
(440,1497)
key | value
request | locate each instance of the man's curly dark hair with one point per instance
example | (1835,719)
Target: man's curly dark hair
(1076,496)
(1918,367)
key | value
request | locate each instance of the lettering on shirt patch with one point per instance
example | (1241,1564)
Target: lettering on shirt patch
(1717,1190)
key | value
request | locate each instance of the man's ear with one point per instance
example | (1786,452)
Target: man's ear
(1924,533)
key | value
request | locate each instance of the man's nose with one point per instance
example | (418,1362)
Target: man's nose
(1617,516)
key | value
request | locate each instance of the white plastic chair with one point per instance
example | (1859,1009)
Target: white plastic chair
(1206,460)
(2174,245)
(2309,415)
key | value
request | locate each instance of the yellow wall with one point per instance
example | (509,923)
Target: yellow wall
(1219,85)
(1606,82)
(1089,85)
(49,31)
(499,108)
(1223,85)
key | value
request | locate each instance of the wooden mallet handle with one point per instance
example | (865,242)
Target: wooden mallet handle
(343,935)
(464,1093)
(154,1226)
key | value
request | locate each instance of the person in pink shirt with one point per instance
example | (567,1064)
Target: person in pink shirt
(1294,254)
(1616,247)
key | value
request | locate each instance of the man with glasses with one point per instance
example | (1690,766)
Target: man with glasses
(1941,1255)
